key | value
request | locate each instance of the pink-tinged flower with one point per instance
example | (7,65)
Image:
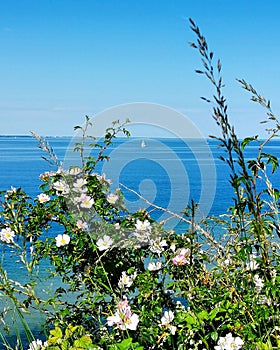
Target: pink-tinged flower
(123,318)
(112,198)
(104,243)
(78,186)
(229,342)
(82,225)
(7,235)
(62,240)
(43,198)
(179,260)
(86,201)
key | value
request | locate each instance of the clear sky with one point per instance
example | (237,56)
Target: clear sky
(63,59)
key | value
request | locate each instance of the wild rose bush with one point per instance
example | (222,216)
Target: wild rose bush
(128,283)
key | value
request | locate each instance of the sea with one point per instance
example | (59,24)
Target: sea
(162,175)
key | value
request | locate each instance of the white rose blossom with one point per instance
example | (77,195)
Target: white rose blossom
(157,245)
(82,225)
(166,321)
(229,342)
(112,198)
(154,266)
(61,187)
(104,243)
(43,198)
(7,235)
(125,280)
(62,240)
(143,225)
(78,185)
(86,201)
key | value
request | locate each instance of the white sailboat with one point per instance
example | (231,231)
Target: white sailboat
(143,144)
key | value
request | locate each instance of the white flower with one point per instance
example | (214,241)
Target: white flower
(154,266)
(78,185)
(104,243)
(103,179)
(7,235)
(167,317)
(117,226)
(229,342)
(62,240)
(61,187)
(227,262)
(252,264)
(143,230)
(157,246)
(112,198)
(126,280)
(43,198)
(86,201)
(82,225)
(173,247)
(166,321)
(143,225)
(258,283)
(11,191)
(37,345)
(172,329)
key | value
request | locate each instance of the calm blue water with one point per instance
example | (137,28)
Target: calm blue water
(167,172)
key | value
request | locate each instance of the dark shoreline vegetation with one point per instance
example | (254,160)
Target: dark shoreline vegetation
(126,281)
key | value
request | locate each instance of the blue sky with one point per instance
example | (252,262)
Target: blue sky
(63,59)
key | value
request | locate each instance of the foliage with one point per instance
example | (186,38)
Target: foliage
(124,281)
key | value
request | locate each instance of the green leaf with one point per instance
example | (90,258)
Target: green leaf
(247,140)
(83,342)
(125,344)
(203,315)
(56,334)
